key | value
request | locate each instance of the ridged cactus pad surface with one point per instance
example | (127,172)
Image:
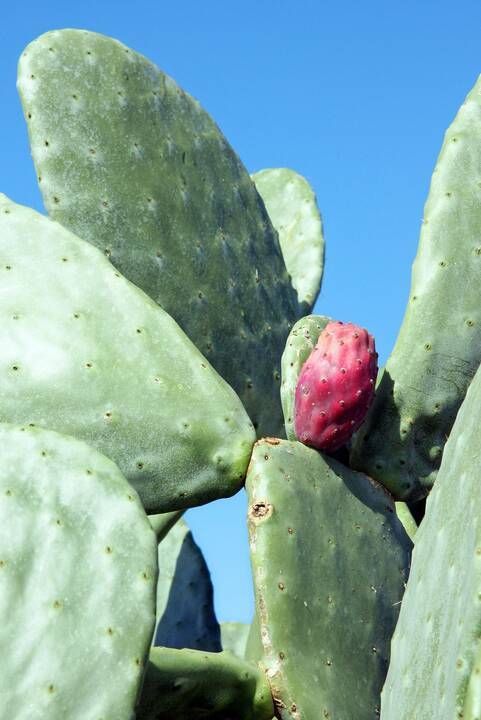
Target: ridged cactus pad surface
(86,353)
(329,559)
(292,207)
(300,344)
(130,162)
(436,651)
(78,567)
(194,685)
(185,602)
(439,346)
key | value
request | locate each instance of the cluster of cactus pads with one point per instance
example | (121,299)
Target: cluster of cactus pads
(157,353)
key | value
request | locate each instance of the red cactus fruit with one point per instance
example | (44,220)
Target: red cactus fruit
(335,386)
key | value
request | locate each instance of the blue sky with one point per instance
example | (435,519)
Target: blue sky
(354,96)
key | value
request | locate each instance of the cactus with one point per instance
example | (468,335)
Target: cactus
(175,210)
(335,386)
(292,207)
(439,345)
(134,166)
(90,355)
(325,546)
(435,649)
(77,580)
(185,607)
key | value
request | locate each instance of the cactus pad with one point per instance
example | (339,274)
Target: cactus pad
(77,581)
(292,208)
(435,659)
(86,353)
(438,349)
(329,560)
(193,685)
(130,162)
(234,637)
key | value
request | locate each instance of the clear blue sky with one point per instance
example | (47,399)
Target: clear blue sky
(354,95)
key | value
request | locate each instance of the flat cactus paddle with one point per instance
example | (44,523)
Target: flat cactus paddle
(86,353)
(292,207)
(78,569)
(234,637)
(436,649)
(438,349)
(132,163)
(329,560)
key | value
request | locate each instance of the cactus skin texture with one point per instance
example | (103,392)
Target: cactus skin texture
(300,344)
(435,653)
(157,188)
(438,349)
(335,386)
(185,597)
(329,560)
(234,636)
(90,355)
(292,207)
(193,685)
(78,569)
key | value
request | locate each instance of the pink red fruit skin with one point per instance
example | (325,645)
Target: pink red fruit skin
(335,386)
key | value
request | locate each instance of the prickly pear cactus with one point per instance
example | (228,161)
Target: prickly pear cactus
(159,190)
(292,207)
(78,570)
(439,345)
(88,354)
(326,546)
(434,671)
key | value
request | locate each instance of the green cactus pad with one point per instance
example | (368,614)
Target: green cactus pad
(408,522)
(439,346)
(162,523)
(194,685)
(133,164)
(329,559)
(77,581)
(254,650)
(234,637)
(292,207)
(435,659)
(300,343)
(86,353)
(185,602)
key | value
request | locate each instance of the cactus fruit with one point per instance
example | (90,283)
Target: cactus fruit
(292,207)
(160,191)
(335,386)
(185,598)
(434,671)
(78,569)
(438,349)
(329,561)
(195,685)
(90,355)
(300,344)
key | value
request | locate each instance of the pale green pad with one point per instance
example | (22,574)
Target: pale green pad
(133,164)
(439,346)
(162,523)
(253,649)
(77,581)
(234,637)
(194,685)
(185,596)
(329,559)
(85,352)
(435,661)
(301,342)
(408,522)
(292,207)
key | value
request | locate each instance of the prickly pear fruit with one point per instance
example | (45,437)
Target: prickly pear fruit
(335,386)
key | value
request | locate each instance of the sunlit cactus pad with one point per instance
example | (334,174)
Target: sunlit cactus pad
(436,650)
(130,162)
(78,569)
(329,559)
(85,352)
